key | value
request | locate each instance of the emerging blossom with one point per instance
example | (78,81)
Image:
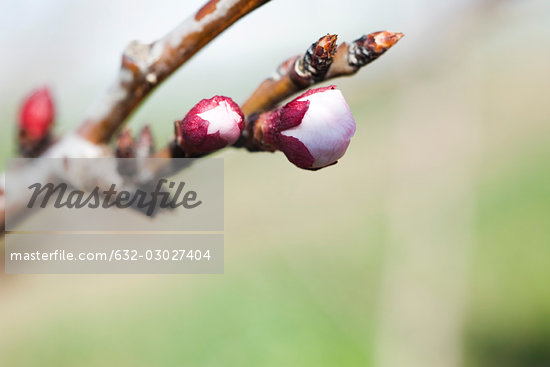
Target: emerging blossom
(313,130)
(36,115)
(211,125)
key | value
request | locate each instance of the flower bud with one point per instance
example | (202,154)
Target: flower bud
(37,114)
(125,144)
(36,118)
(211,125)
(313,130)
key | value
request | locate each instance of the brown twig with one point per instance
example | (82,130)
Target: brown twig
(145,66)
(300,72)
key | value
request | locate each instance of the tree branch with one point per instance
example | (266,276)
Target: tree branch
(145,66)
(301,72)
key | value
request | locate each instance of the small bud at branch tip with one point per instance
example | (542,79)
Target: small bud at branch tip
(316,61)
(368,48)
(383,41)
(36,119)
(37,114)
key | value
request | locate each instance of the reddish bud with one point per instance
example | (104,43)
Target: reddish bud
(37,114)
(211,125)
(36,118)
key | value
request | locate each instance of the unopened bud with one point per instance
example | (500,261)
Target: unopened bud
(313,130)
(36,118)
(211,125)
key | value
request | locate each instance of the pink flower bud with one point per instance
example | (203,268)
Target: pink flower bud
(211,125)
(36,115)
(313,130)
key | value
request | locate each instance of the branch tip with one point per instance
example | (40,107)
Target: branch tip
(369,47)
(317,59)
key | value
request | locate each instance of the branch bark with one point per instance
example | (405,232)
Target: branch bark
(301,72)
(145,66)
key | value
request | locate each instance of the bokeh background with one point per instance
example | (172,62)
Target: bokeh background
(428,244)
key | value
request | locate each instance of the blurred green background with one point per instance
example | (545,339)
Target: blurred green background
(428,244)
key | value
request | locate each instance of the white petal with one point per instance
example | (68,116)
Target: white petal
(224,119)
(326,127)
